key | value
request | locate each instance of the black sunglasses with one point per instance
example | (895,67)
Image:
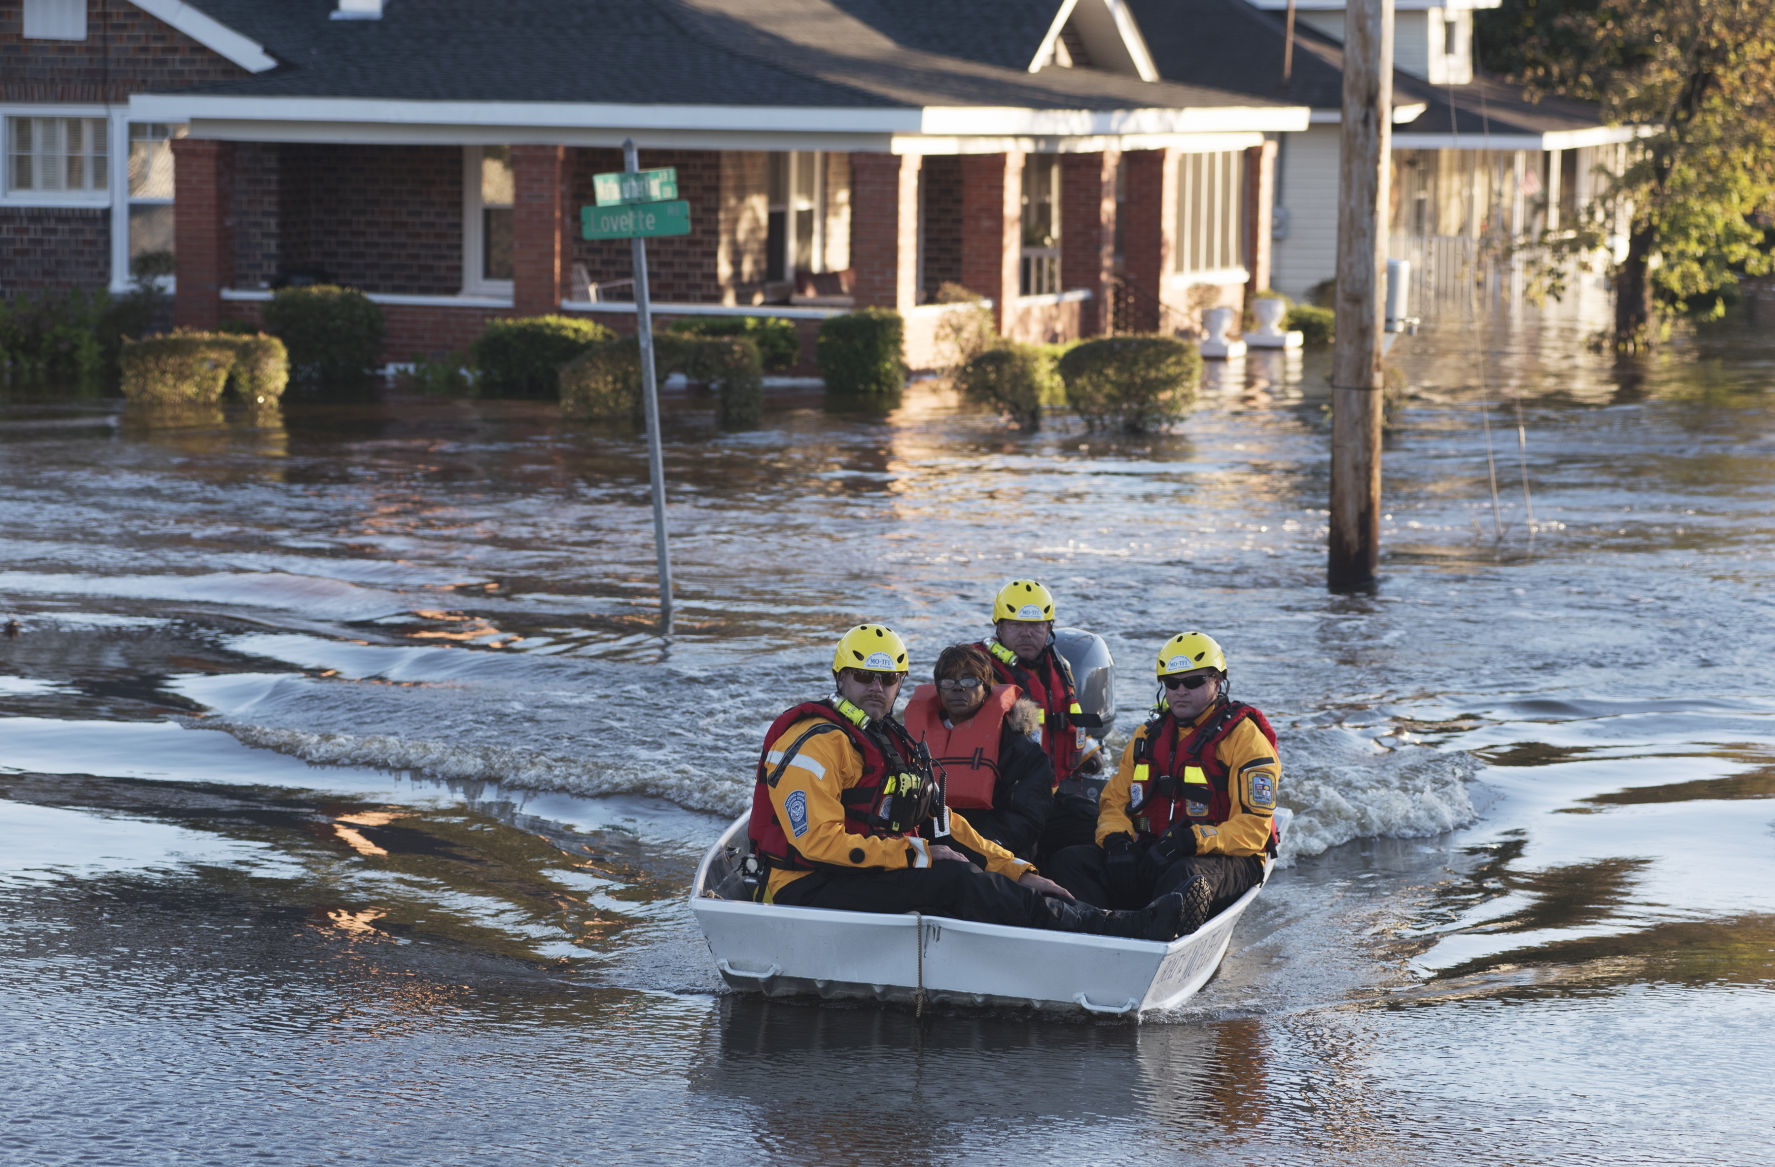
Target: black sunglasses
(870,676)
(1195,682)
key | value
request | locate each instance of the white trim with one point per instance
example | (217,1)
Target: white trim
(392,299)
(1398,5)
(249,54)
(474,279)
(593,124)
(1221,275)
(1071,296)
(1552,140)
(1045,51)
(1131,38)
(1407,111)
(625,308)
(1184,143)
(941,309)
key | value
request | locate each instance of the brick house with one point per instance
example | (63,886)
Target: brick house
(835,153)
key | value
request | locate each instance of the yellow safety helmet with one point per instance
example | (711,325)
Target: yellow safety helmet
(874,647)
(1023,599)
(1188,651)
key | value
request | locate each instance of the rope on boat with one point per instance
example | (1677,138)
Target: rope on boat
(918,994)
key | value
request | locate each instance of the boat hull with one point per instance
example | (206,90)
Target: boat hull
(783,951)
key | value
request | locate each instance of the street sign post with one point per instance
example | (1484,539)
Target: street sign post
(635,220)
(636,205)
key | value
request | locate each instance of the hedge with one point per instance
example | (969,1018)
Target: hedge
(1016,379)
(605,380)
(523,357)
(192,368)
(54,339)
(861,354)
(333,335)
(778,343)
(1315,324)
(1131,383)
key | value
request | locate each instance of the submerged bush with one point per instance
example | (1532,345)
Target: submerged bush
(1315,324)
(966,328)
(862,355)
(54,339)
(605,380)
(193,368)
(333,335)
(1131,383)
(523,357)
(1016,379)
(779,346)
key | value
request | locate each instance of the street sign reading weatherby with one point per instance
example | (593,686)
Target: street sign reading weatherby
(635,220)
(640,186)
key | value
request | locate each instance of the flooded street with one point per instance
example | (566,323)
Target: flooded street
(350,800)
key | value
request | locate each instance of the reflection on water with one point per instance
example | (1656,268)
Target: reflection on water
(350,793)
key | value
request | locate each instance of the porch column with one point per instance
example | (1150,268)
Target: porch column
(884,230)
(1260,197)
(203,225)
(536,229)
(1088,234)
(992,229)
(1149,236)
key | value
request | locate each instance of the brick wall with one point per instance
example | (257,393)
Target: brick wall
(257,200)
(992,233)
(125,51)
(941,180)
(1087,233)
(681,268)
(54,248)
(884,229)
(379,218)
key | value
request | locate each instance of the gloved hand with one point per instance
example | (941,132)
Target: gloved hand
(1179,842)
(1122,866)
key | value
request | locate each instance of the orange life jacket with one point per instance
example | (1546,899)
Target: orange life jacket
(885,749)
(1048,683)
(968,752)
(1174,780)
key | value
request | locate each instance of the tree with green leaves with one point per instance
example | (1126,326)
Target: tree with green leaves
(1699,77)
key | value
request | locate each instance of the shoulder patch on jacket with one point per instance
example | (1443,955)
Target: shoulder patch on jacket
(795,806)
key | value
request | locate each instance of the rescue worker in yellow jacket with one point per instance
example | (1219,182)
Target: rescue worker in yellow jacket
(1192,807)
(983,738)
(845,815)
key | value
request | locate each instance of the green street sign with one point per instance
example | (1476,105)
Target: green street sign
(640,186)
(640,219)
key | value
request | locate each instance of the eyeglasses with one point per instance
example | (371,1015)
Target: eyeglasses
(1195,682)
(964,684)
(867,677)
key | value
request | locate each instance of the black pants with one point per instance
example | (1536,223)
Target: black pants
(1081,871)
(948,888)
(1072,822)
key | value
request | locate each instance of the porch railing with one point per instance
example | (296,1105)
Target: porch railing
(1039,274)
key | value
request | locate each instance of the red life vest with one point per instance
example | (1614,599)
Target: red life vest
(1049,684)
(862,802)
(968,753)
(1175,781)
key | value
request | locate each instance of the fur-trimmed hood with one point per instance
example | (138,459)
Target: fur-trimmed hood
(1025,717)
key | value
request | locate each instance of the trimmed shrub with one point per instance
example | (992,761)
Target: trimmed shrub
(333,335)
(54,340)
(1315,324)
(861,354)
(1016,379)
(779,346)
(605,380)
(966,329)
(192,368)
(1131,383)
(523,357)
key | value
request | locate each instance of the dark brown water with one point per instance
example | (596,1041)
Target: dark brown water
(350,801)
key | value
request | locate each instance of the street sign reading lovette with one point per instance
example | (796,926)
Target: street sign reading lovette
(635,221)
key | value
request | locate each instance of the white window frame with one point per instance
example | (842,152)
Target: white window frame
(474,278)
(817,243)
(40,198)
(121,201)
(53,20)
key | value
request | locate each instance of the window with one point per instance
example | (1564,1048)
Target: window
(796,227)
(60,157)
(1038,272)
(488,191)
(151,188)
(1210,211)
(55,20)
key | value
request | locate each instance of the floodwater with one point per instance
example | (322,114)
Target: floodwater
(350,800)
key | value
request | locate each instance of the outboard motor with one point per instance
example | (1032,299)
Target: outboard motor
(1094,682)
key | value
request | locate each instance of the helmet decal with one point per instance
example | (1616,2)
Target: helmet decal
(1029,612)
(880,661)
(1178,663)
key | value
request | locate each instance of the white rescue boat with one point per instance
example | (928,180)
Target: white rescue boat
(782,951)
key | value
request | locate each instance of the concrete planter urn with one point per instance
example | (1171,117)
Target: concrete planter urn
(1217,323)
(1269,313)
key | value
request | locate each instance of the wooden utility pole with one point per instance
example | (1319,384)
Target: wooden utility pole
(1361,272)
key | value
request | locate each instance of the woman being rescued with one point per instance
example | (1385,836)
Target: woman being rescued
(986,738)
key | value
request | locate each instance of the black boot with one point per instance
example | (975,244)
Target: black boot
(1160,920)
(1198,901)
